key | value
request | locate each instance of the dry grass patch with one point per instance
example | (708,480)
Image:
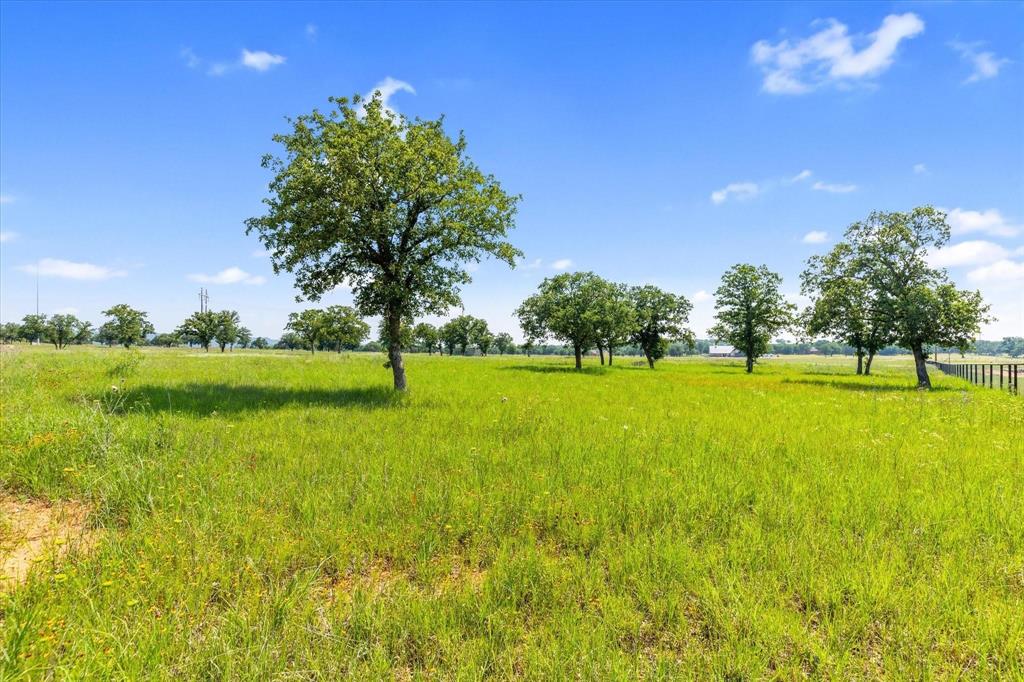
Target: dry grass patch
(32,531)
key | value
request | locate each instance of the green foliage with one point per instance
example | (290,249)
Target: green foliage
(127,325)
(750,310)
(33,327)
(427,336)
(659,318)
(345,329)
(10,332)
(1012,346)
(200,328)
(260,343)
(504,343)
(565,307)
(244,337)
(459,332)
(61,330)
(391,207)
(311,326)
(228,324)
(165,340)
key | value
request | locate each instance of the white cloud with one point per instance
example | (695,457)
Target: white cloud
(815,237)
(387,88)
(920,169)
(985,64)
(260,59)
(532,265)
(561,264)
(977,252)
(232,275)
(1004,270)
(738,190)
(8,236)
(990,222)
(55,267)
(829,56)
(802,175)
(834,188)
(701,296)
(192,60)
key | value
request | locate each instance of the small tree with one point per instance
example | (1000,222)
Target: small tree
(504,343)
(750,310)
(260,343)
(891,251)
(60,330)
(614,318)
(165,340)
(427,336)
(311,326)
(106,334)
(480,335)
(33,327)
(564,308)
(1012,346)
(227,328)
(244,337)
(660,319)
(10,332)
(392,207)
(129,326)
(200,328)
(458,333)
(345,329)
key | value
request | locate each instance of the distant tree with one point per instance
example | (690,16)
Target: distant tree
(564,308)
(165,340)
(480,335)
(311,326)
(61,330)
(200,328)
(227,328)
(106,334)
(244,337)
(33,327)
(528,345)
(260,343)
(1012,346)
(891,251)
(659,319)
(427,336)
(504,343)
(128,325)
(458,333)
(291,341)
(390,206)
(844,305)
(10,332)
(750,310)
(405,338)
(614,318)
(345,329)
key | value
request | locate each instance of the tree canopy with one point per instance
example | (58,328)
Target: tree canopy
(750,310)
(392,208)
(127,325)
(659,318)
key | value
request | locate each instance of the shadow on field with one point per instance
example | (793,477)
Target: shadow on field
(557,369)
(205,399)
(855,385)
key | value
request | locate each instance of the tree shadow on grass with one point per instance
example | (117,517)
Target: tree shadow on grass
(206,399)
(558,369)
(854,385)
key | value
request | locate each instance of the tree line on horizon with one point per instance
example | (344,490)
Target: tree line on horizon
(395,210)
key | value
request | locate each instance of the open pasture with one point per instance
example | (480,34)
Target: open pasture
(254,518)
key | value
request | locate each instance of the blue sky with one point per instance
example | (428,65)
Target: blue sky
(651,143)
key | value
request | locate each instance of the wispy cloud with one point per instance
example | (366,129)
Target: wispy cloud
(985,64)
(920,169)
(975,252)
(834,188)
(830,56)
(387,89)
(561,264)
(1004,270)
(232,275)
(741,191)
(65,269)
(701,296)
(815,237)
(990,222)
(311,31)
(257,60)
(801,176)
(8,236)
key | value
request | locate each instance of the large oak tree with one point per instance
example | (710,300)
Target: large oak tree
(392,208)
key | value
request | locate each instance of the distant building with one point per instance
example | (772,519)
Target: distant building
(722,352)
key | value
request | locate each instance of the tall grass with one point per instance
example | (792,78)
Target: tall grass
(279,515)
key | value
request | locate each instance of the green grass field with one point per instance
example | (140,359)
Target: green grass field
(276,516)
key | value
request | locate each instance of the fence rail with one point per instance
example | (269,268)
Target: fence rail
(1004,376)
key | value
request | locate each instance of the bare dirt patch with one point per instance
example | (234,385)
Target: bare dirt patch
(33,531)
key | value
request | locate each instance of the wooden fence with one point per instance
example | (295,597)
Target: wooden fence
(1003,376)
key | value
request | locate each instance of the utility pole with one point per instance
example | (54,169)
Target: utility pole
(204,300)
(38,340)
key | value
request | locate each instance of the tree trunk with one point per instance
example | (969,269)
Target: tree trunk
(600,349)
(860,361)
(867,365)
(579,356)
(750,364)
(650,360)
(609,356)
(922,369)
(395,350)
